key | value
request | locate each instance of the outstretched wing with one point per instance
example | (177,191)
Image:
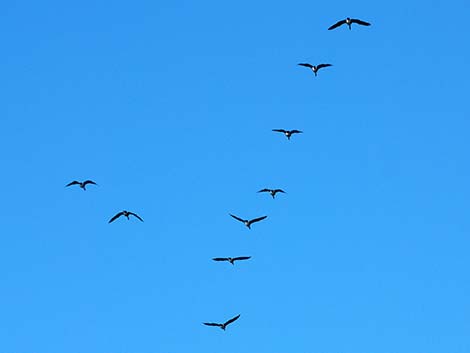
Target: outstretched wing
(231,320)
(212,324)
(279,190)
(220,259)
(136,216)
(306,65)
(264,190)
(241,258)
(89,182)
(280,130)
(257,219)
(296,132)
(359,22)
(73,183)
(320,66)
(237,218)
(116,217)
(337,24)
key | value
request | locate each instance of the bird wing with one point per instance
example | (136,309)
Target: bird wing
(116,216)
(211,324)
(231,320)
(220,259)
(296,132)
(337,24)
(359,22)
(279,190)
(257,219)
(237,218)
(136,216)
(306,65)
(280,130)
(323,65)
(264,190)
(73,183)
(241,258)
(89,182)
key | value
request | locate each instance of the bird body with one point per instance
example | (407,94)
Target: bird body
(273,192)
(125,214)
(349,22)
(288,133)
(249,222)
(81,184)
(224,325)
(314,68)
(231,259)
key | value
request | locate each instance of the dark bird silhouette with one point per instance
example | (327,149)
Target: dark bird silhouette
(81,184)
(231,259)
(288,133)
(247,222)
(125,214)
(314,68)
(273,192)
(349,21)
(224,325)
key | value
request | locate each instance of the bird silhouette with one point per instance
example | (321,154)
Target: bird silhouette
(125,214)
(81,184)
(224,325)
(247,222)
(314,68)
(231,259)
(349,21)
(288,133)
(273,192)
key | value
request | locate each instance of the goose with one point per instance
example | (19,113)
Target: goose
(81,184)
(349,21)
(247,222)
(231,259)
(125,214)
(288,133)
(314,68)
(224,325)
(273,192)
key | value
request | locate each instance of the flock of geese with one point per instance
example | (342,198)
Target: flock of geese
(247,222)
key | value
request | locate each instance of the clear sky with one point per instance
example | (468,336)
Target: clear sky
(169,107)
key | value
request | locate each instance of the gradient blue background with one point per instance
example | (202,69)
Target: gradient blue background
(169,107)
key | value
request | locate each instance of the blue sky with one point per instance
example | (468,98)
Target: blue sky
(169,107)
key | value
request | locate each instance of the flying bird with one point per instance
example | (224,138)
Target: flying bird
(81,184)
(125,214)
(247,222)
(288,133)
(231,259)
(273,192)
(349,21)
(314,68)
(224,325)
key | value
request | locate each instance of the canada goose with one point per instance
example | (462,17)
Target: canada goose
(314,68)
(125,214)
(247,222)
(231,259)
(224,325)
(288,133)
(273,192)
(349,21)
(81,184)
